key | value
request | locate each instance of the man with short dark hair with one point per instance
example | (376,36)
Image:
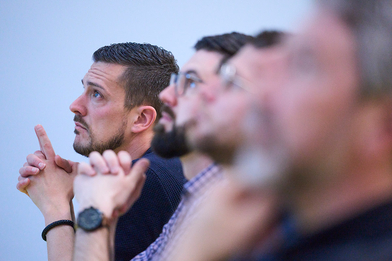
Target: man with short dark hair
(116,111)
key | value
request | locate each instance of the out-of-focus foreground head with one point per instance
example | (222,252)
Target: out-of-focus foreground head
(370,22)
(198,78)
(330,119)
(220,128)
(122,78)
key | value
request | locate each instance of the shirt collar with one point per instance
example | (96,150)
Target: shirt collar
(206,176)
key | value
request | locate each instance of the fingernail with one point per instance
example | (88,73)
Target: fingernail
(41,165)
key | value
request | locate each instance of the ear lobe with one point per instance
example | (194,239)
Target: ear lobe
(382,140)
(146,116)
(388,120)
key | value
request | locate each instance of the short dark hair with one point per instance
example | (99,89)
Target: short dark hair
(148,72)
(226,44)
(267,38)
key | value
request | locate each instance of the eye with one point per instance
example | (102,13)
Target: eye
(191,83)
(303,61)
(96,94)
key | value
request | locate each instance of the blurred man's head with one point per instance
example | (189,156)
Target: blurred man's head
(220,128)
(120,97)
(330,119)
(334,110)
(197,80)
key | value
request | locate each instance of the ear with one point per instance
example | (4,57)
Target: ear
(379,126)
(145,118)
(388,122)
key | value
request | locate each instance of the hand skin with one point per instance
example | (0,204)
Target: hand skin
(35,163)
(51,189)
(232,221)
(50,186)
(112,194)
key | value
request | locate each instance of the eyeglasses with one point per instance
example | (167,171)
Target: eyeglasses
(230,79)
(184,82)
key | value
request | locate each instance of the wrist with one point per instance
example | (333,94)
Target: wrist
(58,213)
(58,223)
(102,206)
(91,219)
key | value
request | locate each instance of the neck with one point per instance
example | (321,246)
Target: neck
(348,195)
(138,144)
(193,163)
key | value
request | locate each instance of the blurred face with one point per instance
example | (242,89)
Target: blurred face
(319,100)
(221,127)
(180,112)
(101,121)
(307,121)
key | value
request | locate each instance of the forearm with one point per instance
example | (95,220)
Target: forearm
(94,245)
(60,239)
(60,243)
(189,250)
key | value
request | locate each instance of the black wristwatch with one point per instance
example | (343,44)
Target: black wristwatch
(91,219)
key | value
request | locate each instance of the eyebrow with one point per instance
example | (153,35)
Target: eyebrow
(191,72)
(92,84)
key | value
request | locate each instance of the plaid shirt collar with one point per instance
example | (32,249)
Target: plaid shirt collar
(193,186)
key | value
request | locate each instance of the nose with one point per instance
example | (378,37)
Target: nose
(78,106)
(168,96)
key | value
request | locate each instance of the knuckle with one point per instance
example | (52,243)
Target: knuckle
(29,156)
(108,154)
(94,156)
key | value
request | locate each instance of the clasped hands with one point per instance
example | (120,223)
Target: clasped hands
(50,181)
(109,183)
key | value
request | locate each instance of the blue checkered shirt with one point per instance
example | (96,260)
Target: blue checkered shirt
(193,192)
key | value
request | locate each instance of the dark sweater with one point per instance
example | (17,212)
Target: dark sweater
(161,194)
(366,237)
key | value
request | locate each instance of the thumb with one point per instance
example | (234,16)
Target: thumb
(139,168)
(67,165)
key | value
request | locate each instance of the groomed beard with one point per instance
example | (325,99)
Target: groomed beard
(169,144)
(113,143)
(210,145)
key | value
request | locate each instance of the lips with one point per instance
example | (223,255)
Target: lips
(167,116)
(166,110)
(79,125)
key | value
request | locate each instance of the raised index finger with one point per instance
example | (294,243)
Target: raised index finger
(44,142)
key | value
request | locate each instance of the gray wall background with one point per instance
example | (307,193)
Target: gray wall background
(45,50)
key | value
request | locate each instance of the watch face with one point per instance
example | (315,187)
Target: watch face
(90,219)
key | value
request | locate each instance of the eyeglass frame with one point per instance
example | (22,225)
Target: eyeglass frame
(229,77)
(175,80)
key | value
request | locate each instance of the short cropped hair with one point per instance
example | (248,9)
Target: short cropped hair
(226,44)
(370,21)
(148,72)
(268,38)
